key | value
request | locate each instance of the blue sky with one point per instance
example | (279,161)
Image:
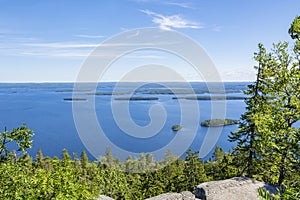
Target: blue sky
(47,41)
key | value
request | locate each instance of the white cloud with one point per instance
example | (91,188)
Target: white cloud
(63,45)
(172,21)
(64,49)
(28,46)
(179,4)
(171,3)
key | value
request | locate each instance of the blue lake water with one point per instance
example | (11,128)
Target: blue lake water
(43,108)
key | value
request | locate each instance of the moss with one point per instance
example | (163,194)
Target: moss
(218,122)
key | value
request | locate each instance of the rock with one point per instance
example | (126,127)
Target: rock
(175,196)
(167,196)
(232,189)
(103,197)
(186,195)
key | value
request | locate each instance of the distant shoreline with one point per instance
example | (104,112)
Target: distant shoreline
(50,82)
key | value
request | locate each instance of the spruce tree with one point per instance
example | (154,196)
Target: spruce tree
(84,160)
(39,158)
(245,137)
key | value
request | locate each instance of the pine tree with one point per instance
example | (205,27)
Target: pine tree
(39,157)
(218,153)
(65,158)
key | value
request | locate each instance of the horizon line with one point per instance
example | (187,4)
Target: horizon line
(192,81)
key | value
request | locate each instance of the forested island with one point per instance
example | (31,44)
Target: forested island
(218,122)
(176,127)
(211,98)
(75,99)
(137,98)
(267,149)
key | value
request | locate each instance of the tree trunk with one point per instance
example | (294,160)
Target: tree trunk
(281,171)
(252,130)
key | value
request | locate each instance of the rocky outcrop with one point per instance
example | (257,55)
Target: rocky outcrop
(175,196)
(232,189)
(167,196)
(238,188)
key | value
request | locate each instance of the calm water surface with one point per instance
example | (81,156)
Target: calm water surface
(43,108)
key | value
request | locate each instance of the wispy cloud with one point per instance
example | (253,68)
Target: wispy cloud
(90,36)
(20,45)
(29,46)
(63,45)
(34,47)
(179,4)
(172,21)
(171,3)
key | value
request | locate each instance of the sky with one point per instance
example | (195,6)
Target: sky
(48,41)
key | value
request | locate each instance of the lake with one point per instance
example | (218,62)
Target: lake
(46,108)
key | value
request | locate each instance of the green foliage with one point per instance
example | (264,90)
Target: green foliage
(73,178)
(279,146)
(247,136)
(194,170)
(268,145)
(23,181)
(19,137)
(294,32)
(264,195)
(221,166)
(84,160)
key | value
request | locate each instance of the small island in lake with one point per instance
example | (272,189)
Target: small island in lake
(137,98)
(176,127)
(75,99)
(218,122)
(107,93)
(210,98)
